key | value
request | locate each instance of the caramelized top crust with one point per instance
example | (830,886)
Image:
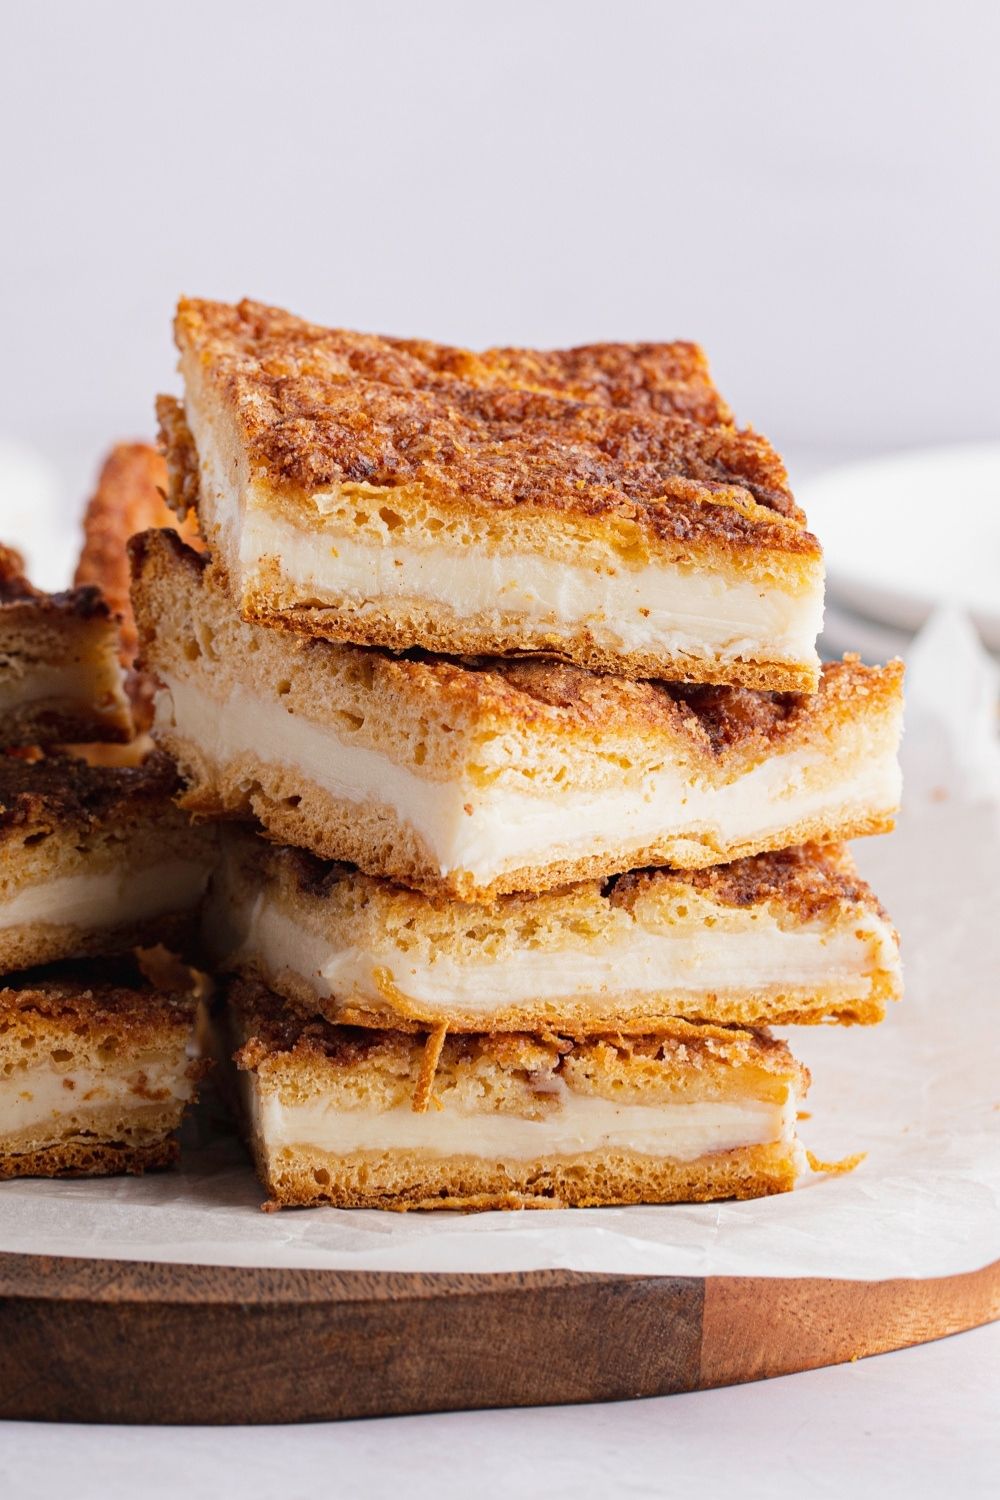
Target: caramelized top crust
(669,378)
(317,408)
(806,882)
(83,603)
(273,1030)
(93,996)
(129,497)
(60,792)
(720,721)
(536,694)
(809,881)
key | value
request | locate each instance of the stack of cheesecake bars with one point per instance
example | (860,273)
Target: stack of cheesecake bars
(492,690)
(99,869)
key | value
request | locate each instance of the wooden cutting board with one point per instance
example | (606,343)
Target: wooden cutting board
(132,1341)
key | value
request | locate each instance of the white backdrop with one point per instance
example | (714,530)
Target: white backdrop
(811,191)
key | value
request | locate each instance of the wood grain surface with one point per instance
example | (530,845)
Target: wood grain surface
(131,1341)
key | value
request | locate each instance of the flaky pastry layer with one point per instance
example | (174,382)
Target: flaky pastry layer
(403,1181)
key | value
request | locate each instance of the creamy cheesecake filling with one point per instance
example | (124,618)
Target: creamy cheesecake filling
(41,1096)
(661,607)
(697,961)
(110,898)
(484,832)
(581,1123)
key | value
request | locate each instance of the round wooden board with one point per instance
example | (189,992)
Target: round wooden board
(132,1341)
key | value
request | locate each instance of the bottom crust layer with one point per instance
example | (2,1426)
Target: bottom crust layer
(403,1180)
(89,1158)
(32,944)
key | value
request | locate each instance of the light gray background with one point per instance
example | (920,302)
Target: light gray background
(809,190)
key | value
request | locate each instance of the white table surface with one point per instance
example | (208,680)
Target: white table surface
(923,1422)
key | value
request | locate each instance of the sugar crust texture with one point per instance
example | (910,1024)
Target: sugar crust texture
(61,818)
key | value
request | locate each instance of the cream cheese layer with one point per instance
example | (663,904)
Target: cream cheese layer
(109,898)
(35,1097)
(487,831)
(582,1123)
(661,608)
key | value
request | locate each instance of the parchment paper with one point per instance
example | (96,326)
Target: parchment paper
(921,1093)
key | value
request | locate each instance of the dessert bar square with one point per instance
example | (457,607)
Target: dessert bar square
(95,859)
(97,1066)
(60,678)
(777,939)
(396,493)
(364,1118)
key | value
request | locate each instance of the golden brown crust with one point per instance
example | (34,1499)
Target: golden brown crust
(86,603)
(97,1063)
(671,378)
(128,498)
(181,458)
(318,408)
(439,720)
(90,1158)
(29,945)
(64,820)
(91,997)
(402,1181)
(395,927)
(273,1031)
(59,792)
(807,881)
(520,1075)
